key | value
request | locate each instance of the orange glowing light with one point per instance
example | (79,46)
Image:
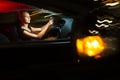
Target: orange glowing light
(90,46)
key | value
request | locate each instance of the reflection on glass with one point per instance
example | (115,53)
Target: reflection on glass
(36,18)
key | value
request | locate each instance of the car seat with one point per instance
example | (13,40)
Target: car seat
(3,38)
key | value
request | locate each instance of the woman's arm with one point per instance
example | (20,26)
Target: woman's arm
(38,29)
(45,28)
(41,33)
(34,29)
(29,34)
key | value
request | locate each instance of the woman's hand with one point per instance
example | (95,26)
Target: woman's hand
(51,21)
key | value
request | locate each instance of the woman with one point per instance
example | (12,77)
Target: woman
(28,32)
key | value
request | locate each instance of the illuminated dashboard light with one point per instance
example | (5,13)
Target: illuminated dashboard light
(90,46)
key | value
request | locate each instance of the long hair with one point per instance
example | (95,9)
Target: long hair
(20,13)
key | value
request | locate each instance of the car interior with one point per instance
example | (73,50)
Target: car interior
(82,56)
(10,23)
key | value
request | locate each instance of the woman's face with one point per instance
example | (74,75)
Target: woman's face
(26,17)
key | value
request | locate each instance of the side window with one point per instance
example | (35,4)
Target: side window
(61,23)
(35,24)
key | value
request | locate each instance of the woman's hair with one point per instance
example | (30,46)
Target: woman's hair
(20,13)
(109,1)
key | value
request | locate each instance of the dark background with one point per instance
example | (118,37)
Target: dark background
(55,62)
